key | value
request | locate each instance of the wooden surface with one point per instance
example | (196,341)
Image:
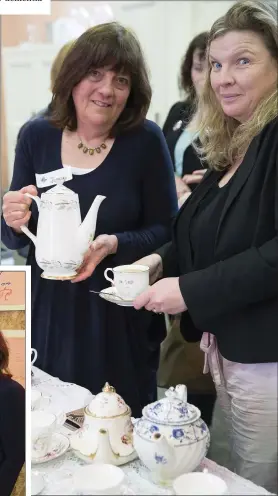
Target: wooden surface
(20,486)
(12,319)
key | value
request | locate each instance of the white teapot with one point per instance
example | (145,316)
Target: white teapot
(171,438)
(62,239)
(106,434)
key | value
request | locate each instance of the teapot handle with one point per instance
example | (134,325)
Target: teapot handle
(33,197)
(29,234)
(25,228)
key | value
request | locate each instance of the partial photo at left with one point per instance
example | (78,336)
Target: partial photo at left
(13,282)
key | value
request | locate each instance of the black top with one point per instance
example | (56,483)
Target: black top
(12,433)
(236,296)
(176,121)
(204,225)
(80,337)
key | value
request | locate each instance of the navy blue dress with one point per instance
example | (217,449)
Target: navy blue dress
(80,337)
(12,433)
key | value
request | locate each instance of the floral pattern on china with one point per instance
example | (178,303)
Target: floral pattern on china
(62,239)
(106,434)
(171,438)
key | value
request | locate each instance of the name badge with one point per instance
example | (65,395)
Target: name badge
(58,176)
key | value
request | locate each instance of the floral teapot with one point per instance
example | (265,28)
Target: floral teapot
(106,434)
(62,239)
(171,438)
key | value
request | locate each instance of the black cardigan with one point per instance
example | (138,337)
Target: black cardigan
(12,433)
(181,111)
(236,298)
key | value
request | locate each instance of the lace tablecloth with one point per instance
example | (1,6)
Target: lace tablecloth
(58,473)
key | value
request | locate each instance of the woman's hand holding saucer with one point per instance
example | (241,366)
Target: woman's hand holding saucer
(163,297)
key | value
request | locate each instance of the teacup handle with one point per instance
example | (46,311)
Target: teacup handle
(33,350)
(107,277)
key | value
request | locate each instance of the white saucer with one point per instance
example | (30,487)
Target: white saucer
(110,294)
(59,445)
(37,483)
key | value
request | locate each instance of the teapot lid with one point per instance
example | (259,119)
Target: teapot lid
(173,409)
(60,189)
(107,404)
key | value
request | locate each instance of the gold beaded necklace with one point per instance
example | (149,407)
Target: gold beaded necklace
(91,151)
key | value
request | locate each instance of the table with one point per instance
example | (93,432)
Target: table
(58,473)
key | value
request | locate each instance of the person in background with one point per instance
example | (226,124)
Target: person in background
(221,269)
(181,361)
(12,424)
(100,101)
(189,170)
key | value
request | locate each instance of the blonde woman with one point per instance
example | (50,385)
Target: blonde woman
(221,268)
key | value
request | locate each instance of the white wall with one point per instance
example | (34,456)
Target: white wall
(204,13)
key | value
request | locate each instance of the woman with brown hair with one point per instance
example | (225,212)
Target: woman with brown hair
(98,127)
(12,424)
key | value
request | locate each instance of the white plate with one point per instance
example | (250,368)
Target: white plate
(110,294)
(37,483)
(59,445)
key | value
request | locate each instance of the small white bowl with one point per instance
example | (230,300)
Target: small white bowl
(199,483)
(99,478)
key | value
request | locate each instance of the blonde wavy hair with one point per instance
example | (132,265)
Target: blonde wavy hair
(223,140)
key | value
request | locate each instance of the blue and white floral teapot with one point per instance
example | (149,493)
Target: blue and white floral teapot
(171,438)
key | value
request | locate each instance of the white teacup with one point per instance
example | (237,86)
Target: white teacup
(129,280)
(33,351)
(43,426)
(38,401)
(199,483)
(99,478)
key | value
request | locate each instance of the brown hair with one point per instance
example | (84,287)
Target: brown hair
(58,62)
(4,357)
(185,80)
(110,45)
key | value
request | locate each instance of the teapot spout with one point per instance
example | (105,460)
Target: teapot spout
(105,453)
(164,454)
(86,230)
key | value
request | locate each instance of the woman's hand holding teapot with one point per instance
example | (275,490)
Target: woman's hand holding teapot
(16,207)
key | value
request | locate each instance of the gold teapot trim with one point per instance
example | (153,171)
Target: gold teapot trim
(127,412)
